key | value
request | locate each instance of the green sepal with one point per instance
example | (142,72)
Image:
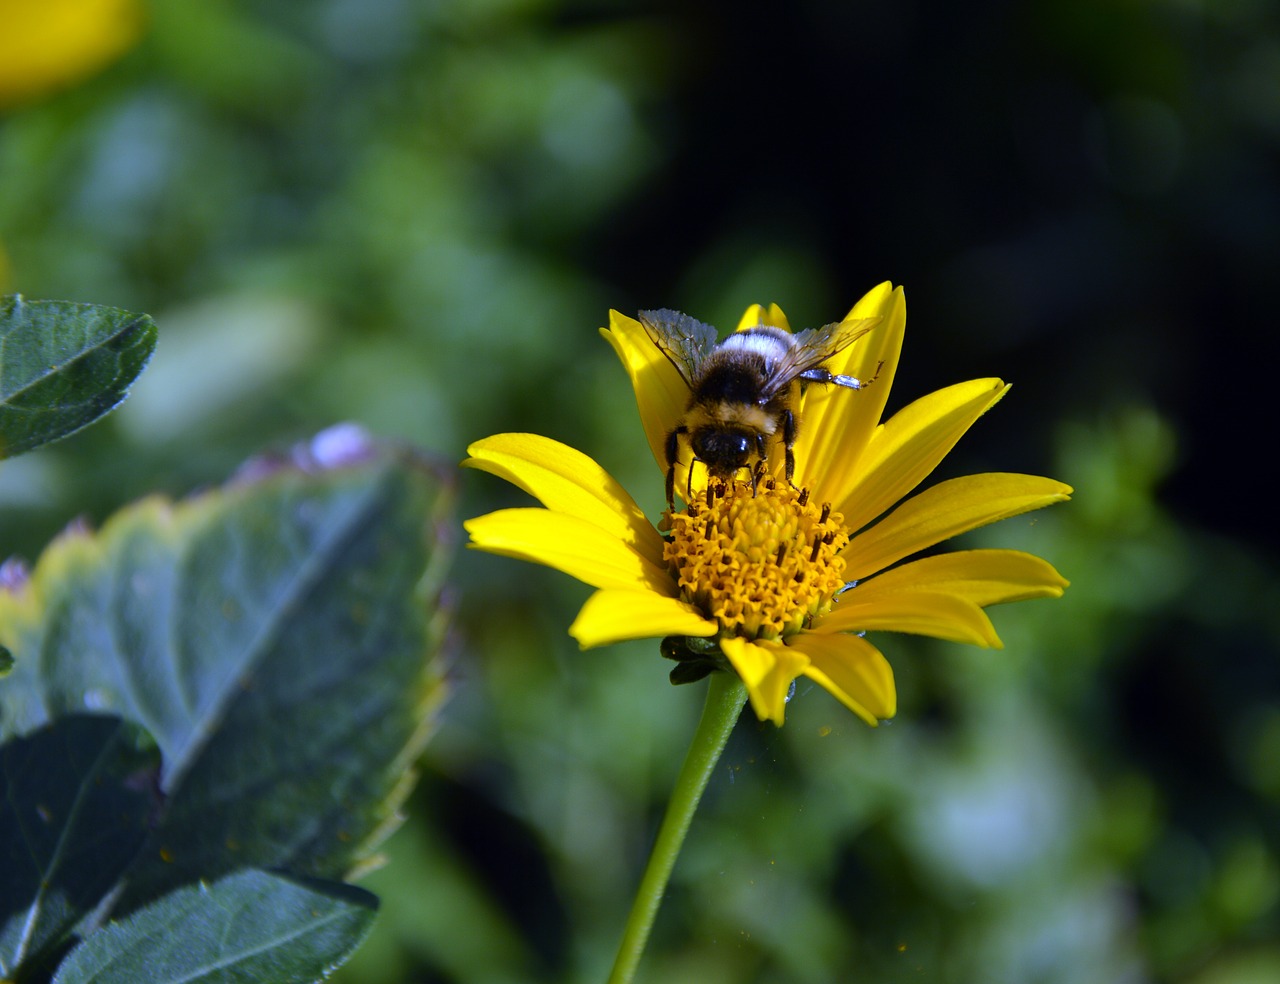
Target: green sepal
(695,657)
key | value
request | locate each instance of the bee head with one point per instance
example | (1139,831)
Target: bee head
(723,450)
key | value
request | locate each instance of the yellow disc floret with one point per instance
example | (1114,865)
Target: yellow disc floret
(761,561)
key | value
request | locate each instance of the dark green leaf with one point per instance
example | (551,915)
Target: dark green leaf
(74,801)
(249,927)
(63,365)
(275,636)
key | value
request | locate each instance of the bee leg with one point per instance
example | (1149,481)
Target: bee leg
(673,451)
(822,375)
(875,375)
(789,442)
(761,465)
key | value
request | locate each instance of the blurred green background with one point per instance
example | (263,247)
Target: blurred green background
(416,214)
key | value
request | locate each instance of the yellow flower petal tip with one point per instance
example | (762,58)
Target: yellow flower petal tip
(567,481)
(768,671)
(757,315)
(768,573)
(47,45)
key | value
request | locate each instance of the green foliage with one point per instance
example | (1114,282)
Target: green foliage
(63,365)
(74,814)
(275,639)
(415,215)
(249,927)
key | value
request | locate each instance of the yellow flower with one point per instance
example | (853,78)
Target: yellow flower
(782,579)
(48,44)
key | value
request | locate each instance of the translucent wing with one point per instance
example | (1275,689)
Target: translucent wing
(812,348)
(685,341)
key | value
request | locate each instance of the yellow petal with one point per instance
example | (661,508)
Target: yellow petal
(908,446)
(930,613)
(984,577)
(768,670)
(614,615)
(835,422)
(853,671)
(945,510)
(661,392)
(566,480)
(50,44)
(567,543)
(757,315)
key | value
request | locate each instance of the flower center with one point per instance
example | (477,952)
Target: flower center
(762,562)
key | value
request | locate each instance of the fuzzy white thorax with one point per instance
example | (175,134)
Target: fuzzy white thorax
(766,341)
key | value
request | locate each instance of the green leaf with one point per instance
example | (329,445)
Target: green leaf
(275,636)
(251,926)
(74,802)
(63,365)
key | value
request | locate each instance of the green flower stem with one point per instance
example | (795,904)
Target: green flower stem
(725,697)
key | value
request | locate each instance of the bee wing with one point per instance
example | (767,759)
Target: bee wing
(685,341)
(812,348)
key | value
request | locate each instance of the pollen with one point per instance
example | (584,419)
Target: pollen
(763,562)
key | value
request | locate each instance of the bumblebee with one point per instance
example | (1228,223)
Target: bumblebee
(743,389)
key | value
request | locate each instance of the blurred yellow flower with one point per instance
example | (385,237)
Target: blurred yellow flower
(778,579)
(47,45)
